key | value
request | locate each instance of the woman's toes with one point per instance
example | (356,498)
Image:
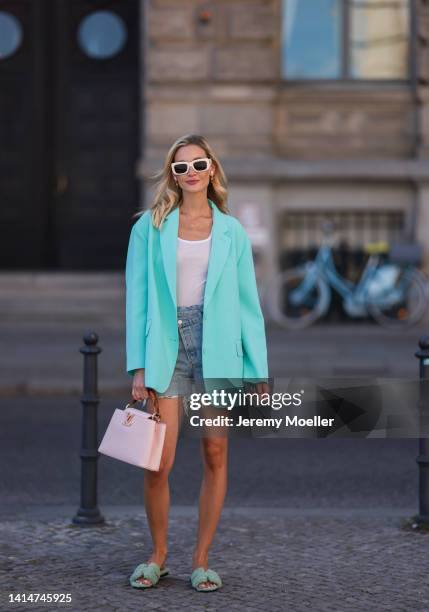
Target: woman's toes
(207,584)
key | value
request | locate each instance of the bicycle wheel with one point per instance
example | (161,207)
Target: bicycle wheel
(297,309)
(409,308)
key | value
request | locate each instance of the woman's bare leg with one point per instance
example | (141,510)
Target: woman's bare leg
(156,487)
(212,494)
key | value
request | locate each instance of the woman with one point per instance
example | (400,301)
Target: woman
(192,310)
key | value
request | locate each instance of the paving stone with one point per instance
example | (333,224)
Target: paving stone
(336,563)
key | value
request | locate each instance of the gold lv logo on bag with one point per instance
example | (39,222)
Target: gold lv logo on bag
(129,418)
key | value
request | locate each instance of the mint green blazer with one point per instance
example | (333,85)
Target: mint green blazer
(233,343)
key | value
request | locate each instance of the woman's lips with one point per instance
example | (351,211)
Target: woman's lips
(192,182)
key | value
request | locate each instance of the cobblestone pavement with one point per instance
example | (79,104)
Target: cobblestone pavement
(269,559)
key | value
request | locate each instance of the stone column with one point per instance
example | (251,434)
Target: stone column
(422,230)
(422,60)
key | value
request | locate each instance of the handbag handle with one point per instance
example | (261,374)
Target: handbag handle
(156,416)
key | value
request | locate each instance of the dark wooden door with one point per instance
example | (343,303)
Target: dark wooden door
(70,133)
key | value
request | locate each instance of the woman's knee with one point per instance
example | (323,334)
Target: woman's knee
(215,453)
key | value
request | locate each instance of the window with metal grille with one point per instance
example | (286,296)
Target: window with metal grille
(301,234)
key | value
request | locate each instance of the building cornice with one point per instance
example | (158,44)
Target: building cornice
(281,170)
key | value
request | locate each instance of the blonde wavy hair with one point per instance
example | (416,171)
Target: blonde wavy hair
(168,195)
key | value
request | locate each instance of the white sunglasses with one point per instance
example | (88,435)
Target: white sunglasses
(199,165)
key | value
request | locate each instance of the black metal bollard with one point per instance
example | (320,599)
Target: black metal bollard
(422,519)
(88,513)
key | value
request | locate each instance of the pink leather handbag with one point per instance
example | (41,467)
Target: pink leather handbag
(135,436)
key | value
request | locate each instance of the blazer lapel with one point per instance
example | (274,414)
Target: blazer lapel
(168,242)
(220,243)
(219,250)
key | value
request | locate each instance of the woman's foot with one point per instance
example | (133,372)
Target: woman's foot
(159,559)
(199,560)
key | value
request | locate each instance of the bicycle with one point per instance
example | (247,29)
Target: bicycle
(395,293)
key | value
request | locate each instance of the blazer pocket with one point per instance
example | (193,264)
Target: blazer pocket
(239,347)
(148,324)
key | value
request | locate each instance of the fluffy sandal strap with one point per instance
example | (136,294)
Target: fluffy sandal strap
(213,577)
(151,571)
(197,576)
(201,575)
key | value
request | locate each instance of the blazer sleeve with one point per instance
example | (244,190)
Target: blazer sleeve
(136,282)
(252,320)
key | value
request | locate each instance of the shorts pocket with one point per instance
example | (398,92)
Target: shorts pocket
(239,347)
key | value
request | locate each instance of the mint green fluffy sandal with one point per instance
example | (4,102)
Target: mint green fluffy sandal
(151,571)
(201,575)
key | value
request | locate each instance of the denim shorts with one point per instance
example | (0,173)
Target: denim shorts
(187,376)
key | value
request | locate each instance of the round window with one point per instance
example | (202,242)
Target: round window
(102,34)
(10,34)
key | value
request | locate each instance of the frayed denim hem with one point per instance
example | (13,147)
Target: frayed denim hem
(185,399)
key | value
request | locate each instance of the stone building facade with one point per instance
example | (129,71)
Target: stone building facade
(294,151)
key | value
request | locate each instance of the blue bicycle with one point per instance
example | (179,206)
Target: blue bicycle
(394,292)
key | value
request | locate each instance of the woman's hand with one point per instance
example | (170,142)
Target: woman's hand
(139,391)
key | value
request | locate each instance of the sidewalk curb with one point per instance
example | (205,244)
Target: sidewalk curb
(110,511)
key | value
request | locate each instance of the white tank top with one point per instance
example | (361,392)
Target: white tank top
(191,271)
